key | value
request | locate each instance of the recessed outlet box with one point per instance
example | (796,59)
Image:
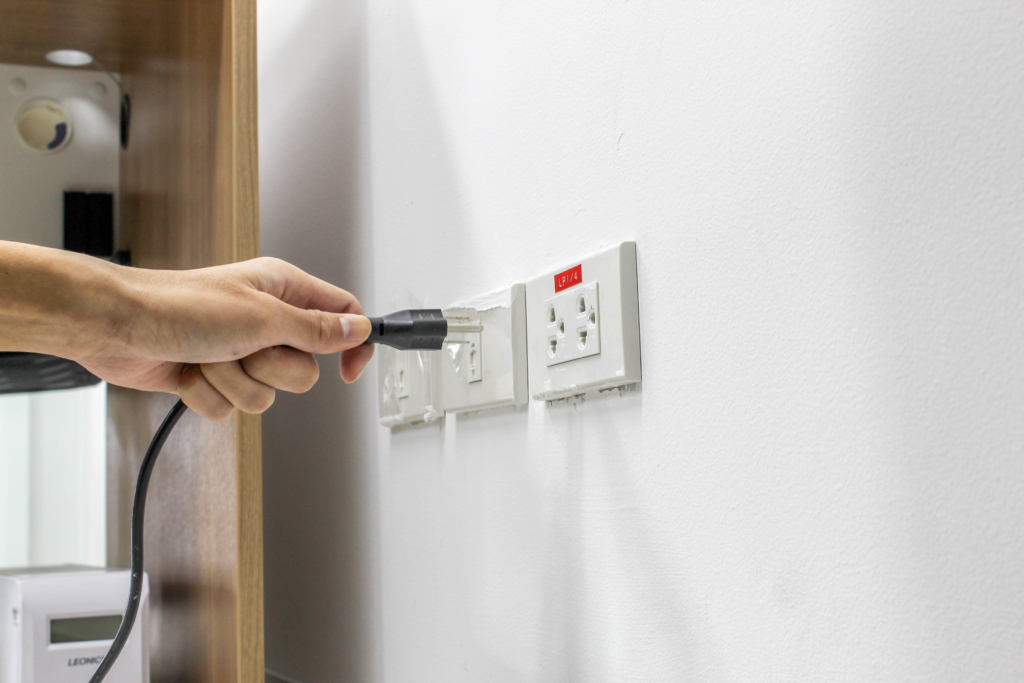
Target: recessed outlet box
(487,369)
(465,349)
(401,375)
(409,385)
(583,325)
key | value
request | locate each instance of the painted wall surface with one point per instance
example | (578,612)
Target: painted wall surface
(822,477)
(53,485)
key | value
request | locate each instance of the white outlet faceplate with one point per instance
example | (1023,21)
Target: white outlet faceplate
(489,369)
(409,386)
(573,324)
(574,351)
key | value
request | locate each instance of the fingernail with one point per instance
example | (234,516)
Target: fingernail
(355,327)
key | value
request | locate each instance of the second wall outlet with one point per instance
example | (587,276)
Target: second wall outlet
(487,369)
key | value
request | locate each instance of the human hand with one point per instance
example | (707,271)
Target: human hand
(224,337)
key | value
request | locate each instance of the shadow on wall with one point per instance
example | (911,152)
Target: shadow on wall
(321,510)
(319,465)
(473,593)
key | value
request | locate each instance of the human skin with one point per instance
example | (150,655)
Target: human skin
(220,338)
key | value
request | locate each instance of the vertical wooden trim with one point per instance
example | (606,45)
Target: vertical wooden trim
(245,129)
(189,192)
(248,435)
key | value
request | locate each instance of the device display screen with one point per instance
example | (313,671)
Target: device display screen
(83,629)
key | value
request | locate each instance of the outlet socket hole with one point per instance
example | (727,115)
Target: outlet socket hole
(592,320)
(581,305)
(583,338)
(552,347)
(561,328)
(551,315)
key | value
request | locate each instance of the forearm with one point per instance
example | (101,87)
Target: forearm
(58,302)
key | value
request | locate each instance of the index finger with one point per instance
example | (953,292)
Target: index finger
(295,287)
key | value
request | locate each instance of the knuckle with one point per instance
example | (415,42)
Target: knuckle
(321,331)
(256,400)
(205,403)
(304,374)
(274,267)
(281,367)
(268,262)
(312,375)
(255,364)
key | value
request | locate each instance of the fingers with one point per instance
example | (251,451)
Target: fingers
(199,395)
(297,288)
(354,361)
(312,315)
(214,389)
(283,368)
(234,384)
(317,331)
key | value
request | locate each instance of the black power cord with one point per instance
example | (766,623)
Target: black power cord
(410,329)
(138,518)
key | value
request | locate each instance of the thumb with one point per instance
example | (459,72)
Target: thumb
(316,331)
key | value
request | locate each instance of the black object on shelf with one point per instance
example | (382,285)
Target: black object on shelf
(89,223)
(126,118)
(29,372)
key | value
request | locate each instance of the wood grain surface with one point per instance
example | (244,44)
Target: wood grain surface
(189,185)
(31,28)
(189,199)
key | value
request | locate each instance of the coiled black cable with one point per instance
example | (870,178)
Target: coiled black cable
(138,519)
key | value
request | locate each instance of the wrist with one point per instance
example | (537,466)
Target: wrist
(105,306)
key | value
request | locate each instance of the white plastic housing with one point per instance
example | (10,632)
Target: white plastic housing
(409,384)
(490,370)
(574,324)
(30,598)
(610,357)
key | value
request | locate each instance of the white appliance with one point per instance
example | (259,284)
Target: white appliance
(56,625)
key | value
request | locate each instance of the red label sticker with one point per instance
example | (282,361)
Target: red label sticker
(568,278)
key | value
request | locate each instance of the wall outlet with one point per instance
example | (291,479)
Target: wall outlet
(574,329)
(583,325)
(489,369)
(465,349)
(409,384)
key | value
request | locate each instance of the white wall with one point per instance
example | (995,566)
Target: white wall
(15,481)
(53,486)
(823,475)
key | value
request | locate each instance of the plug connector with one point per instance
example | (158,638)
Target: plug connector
(424,329)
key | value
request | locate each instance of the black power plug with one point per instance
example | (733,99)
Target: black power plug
(424,329)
